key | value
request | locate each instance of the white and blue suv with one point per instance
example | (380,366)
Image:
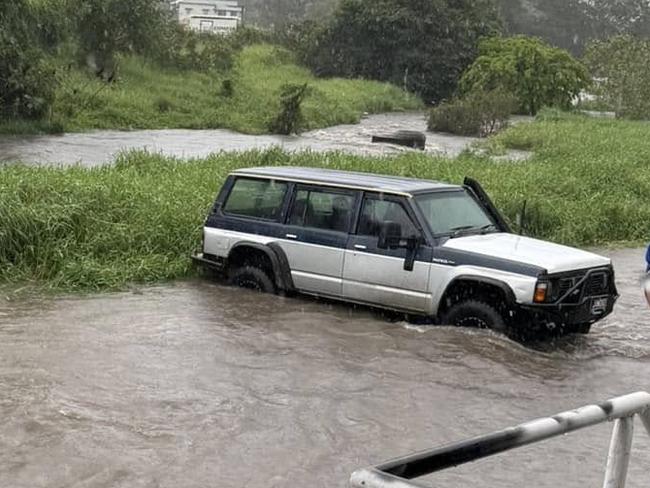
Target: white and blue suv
(415,246)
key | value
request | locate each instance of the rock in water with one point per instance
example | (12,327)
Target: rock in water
(408,138)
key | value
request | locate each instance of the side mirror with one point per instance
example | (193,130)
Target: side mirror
(390,234)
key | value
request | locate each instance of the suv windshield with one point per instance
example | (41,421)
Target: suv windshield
(450,213)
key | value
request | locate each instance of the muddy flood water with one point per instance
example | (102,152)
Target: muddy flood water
(100,147)
(195,384)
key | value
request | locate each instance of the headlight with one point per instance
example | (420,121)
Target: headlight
(541,292)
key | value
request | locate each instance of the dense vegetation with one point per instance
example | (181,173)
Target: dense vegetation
(537,74)
(26,80)
(422,45)
(622,67)
(247,98)
(138,220)
(67,65)
(569,24)
(480,113)
(73,65)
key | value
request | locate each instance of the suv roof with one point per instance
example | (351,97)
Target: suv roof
(347,179)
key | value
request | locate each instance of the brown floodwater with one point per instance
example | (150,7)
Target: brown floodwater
(100,147)
(195,384)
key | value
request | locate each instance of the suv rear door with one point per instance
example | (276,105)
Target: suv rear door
(377,276)
(316,234)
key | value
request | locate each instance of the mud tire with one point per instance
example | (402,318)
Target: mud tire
(474,313)
(252,278)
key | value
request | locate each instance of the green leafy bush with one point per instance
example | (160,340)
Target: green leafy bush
(163,104)
(290,120)
(200,51)
(26,81)
(106,28)
(622,67)
(478,114)
(537,74)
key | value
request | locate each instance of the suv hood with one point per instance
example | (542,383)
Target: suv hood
(552,257)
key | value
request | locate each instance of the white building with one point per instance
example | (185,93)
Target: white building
(215,16)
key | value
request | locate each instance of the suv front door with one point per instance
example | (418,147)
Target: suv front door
(377,276)
(317,231)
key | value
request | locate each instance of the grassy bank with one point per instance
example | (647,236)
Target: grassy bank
(149,97)
(138,221)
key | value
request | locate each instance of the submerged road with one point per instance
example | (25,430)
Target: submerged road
(198,385)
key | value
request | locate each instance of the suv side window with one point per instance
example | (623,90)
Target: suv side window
(376,211)
(322,209)
(261,199)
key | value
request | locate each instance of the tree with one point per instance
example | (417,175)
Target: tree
(422,45)
(536,73)
(26,82)
(290,118)
(622,66)
(109,27)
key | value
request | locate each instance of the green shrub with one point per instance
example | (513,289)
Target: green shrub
(227,88)
(163,105)
(27,82)
(622,66)
(478,114)
(106,28)
(190,50)
(537,74)
(200,100)
(290,120)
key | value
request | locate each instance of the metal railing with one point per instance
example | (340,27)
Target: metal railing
(399,473)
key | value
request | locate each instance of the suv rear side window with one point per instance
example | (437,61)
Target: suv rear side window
(261,199)
(322,210)
(376,211)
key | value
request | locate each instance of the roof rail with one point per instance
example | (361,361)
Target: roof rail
(399,473)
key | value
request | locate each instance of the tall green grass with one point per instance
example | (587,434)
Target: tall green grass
(588,183)
(149,97)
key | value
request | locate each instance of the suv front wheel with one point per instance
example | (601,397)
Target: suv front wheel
(474,313)
(252,278)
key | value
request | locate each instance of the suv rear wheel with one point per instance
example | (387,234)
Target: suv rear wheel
(252,278)
(474,313)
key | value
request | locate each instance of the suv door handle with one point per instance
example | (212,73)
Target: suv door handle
(292,236)
(360,247)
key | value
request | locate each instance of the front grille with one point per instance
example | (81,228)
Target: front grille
(597,284)
(565,285)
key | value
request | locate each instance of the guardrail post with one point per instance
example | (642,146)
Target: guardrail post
(619,453)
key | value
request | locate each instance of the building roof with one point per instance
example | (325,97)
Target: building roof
(347,179)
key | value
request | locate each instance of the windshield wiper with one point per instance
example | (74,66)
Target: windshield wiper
(470,229)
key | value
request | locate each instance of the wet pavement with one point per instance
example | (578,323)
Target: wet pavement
(195,384)
(100,147)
